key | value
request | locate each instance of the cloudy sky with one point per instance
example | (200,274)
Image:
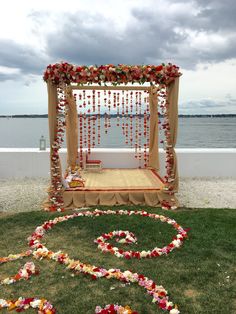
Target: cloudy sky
(197,35)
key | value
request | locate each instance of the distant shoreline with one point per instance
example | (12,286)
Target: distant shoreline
(114,115)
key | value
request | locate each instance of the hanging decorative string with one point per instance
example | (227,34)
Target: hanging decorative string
(80,100)
(85,130)
(148,124)
(118,110)
(99,119)
(89,131)
(84,99)
(145,138)
(81,139)
(123,111)
(136,125)
(109,110)
(140,129)
(132,107)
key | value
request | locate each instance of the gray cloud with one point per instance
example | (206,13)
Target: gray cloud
(146,40)
(208,106)
(6,76)
(188,33)
(16,56)
(212,15)
(151,36)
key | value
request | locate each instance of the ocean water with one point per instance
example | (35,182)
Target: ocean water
(193,132)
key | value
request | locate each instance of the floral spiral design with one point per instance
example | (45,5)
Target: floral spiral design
(40,251)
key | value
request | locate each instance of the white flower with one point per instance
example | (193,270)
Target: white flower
(143,254)
(8,281)
(128,275)
(177,243)
(3,303)
(35,303)
(118,254)
(122,241)
(174,311)
(169,304)
(24,272)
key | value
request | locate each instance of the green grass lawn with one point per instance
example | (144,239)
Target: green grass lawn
(200,276)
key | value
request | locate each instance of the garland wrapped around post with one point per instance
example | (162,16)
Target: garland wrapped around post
(56,106)
(170,126)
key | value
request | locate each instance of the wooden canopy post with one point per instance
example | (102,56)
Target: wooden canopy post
(55,199)
(71,130)
(153,136)
(173,92)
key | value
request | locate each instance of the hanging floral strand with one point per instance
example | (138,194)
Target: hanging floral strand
(145,137)
(85,133)
(89,130)
(129,126)
(148,124)
(80,101)
(118,110)
(109,110)
(81,139)
(99,120)
(136,125)
(140,129)
(84,98)
(123,111)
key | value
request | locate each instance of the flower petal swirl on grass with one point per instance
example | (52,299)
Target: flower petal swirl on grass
(158,293)
(114,308)
(24,273)
(22,304)
(40,251)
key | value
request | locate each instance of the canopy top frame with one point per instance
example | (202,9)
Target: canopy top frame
(66,73)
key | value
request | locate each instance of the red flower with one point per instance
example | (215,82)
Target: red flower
(159,67)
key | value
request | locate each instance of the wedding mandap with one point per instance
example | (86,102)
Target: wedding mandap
(85,102)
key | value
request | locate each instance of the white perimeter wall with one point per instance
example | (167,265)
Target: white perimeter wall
(199,162)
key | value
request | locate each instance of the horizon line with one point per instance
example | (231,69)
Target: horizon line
(114,114)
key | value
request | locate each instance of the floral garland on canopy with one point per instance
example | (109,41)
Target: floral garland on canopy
(40,251)
(67,73)
(62,74)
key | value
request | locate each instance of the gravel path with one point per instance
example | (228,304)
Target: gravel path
(207,193)
(22,194)
(28,194)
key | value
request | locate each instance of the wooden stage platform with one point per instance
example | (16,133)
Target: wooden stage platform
(116,186)
(120,179)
